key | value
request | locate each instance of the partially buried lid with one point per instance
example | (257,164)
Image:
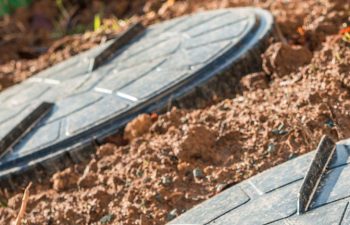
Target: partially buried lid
(313,189)
(161,64)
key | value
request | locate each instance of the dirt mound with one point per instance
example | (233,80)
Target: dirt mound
(281,59)
(139,126)
(178,159)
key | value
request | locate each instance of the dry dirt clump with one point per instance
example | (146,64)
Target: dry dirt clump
(139,126)
(282,59)
(254,81)
(178,159)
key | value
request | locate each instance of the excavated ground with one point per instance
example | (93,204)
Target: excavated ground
(176,160)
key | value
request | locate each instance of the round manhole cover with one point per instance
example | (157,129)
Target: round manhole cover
(171,61)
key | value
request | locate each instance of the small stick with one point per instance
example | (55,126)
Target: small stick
(22,211)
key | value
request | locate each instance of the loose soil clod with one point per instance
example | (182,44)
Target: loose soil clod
(281,59)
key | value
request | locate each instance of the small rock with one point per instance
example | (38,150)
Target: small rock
(139,173)
(166,180)
(270,148)
(171,215)
(107,219)
(183,119)
(291,156)
(220,187)
(159,198)
(128,183)
(330,123)
(198,173)
(280,130)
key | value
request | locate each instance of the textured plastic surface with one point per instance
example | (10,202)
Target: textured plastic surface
(271,197)
(175,61)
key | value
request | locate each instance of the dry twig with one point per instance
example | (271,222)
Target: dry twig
(22,211)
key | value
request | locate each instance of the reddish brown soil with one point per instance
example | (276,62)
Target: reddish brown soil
(178,159)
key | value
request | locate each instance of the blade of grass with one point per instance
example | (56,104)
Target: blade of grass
(97,22)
